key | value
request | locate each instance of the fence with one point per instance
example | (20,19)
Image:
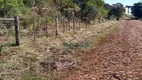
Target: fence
(16,24)
(52,26)
(46,26)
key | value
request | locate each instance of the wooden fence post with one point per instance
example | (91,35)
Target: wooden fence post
(0,48)
(46,28)
(69,25)
(16,23)
(56,25)
(34,31)
(73,22)
(63,24)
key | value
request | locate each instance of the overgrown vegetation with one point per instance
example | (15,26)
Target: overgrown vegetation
(46,58)
(85,10)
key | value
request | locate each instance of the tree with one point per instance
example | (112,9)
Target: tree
(67,7)
(101,13)
(28,3)
(118,10)
(137,10)
(9,8)
(90,12)
(107,7)
(91,7)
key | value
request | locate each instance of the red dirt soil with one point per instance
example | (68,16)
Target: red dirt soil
(117,57)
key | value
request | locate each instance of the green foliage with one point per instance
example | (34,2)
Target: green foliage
(90,9)
(25,17)
(90,13)
(85,10)
(49,20)
(101,11)
(37,3)
(107,7)
(100,3)
(67,8)
(28,3)
(137,10)
(118,10)
(10,8)
(32,78)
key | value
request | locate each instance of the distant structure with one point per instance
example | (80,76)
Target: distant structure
(128,7)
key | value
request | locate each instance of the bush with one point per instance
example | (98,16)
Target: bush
(49,20)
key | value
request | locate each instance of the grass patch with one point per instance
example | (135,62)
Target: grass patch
(101,36)
(1,78)
(10,44)
(72,33)
(6,46)
(32,78)
(3,64)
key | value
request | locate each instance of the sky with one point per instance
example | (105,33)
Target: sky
(124,2)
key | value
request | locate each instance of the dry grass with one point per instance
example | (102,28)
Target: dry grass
(47,58)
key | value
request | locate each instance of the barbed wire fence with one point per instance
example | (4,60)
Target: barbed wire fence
(7,28)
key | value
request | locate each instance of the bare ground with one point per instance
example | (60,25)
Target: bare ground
(117,57)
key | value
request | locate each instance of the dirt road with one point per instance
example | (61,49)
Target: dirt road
(118,57)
